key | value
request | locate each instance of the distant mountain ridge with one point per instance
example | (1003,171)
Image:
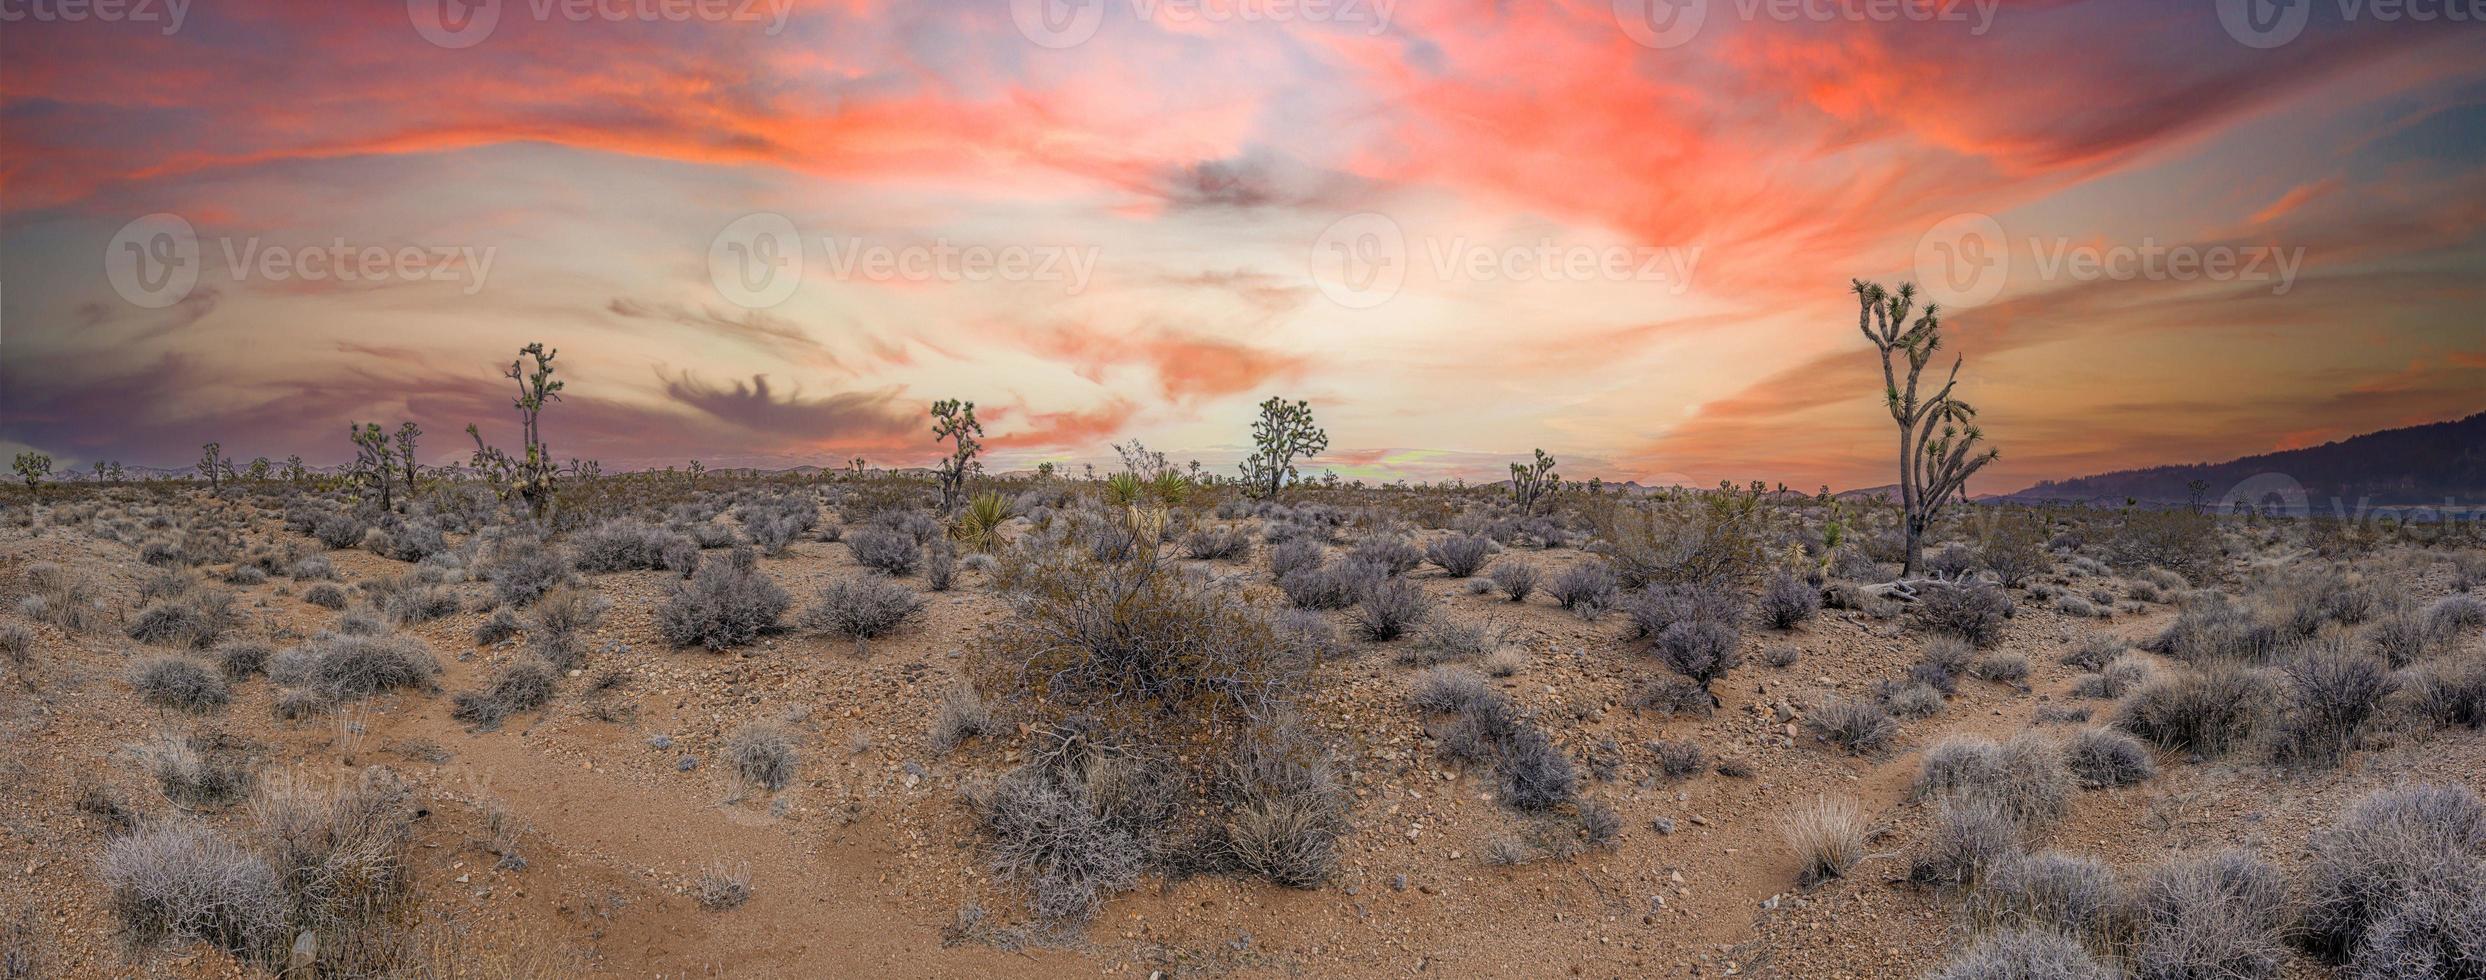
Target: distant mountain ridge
(2420,464)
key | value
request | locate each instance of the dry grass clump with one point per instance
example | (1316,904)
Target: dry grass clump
(1971,835)
(196,620)
(2331,693)
(195,773)
(2220,916)
(1588,588)
(1968,611)
(627,545)
(2103,757)
(2072,895)
(963,715)
(1827,837)
(522,686)
(2021,954)
(1517,579)
(862,608)
(1460,555)
(2211,711)
(1859,726)
(347,667)
(724,886)
(762,755)
(1386,609)
(1050,833)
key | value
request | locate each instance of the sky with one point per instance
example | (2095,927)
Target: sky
(772,232)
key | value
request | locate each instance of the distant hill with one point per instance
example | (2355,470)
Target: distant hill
(2421,464)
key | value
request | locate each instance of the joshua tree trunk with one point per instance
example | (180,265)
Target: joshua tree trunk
(1940,445)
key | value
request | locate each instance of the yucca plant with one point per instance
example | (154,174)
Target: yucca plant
(1124,489)
(979,525)
(1171,487)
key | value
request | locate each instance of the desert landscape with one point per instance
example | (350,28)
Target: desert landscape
(511,719)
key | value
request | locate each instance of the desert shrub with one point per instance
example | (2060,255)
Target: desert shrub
(1044,831)
(2015,551)
(1971,835)
(1856,725)
(2219,917)
(1913,701)
(862,608)
(940,565)
(341,855)
(1534,774)
(1972,612)
(1517,579)
(2072,605)
(419,604)
(1388,551)
(2071,895)
(1951,561)
(2451,614)
(2093,652)
(2212,628)
(1702,651)
(1786,602)
(2104,757)
(557,627)
(1292,556)
(1307,637)
(339,530)
(1827,837)
(196,620)
(1677,759)
(2019,954)
(2002,668)
(885,551)
(1288,808)
(2451,693)
(2394,888)
(963,715)
(722,886)
(346,667)
(762,755)
(313,568)
(1656,608)
(17,644)
(1708,537)
(2331,692)
(1960,765)
(2210,712)
(239,660)
(406,539)
(1587,589)
(1217,542)
(246,575)
(1459,555)
(325,595)
(2174,539)
(1386,609)
(522,686)
(178,880)
(1334,585)
(2121,677)
(179,683)
(195,773)
(1670,695)
(775,523)
(1446,689)
(497,628)
(724,604)
(521,572)
(2403,636)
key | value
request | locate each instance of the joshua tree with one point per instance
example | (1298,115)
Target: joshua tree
(954,420)
(371,458)
(1282,434)
(258,468)
(407,433)
(1940,446)
(33,466)
(294,470)
(697,468)
(530,477)
(1532,482)
(211,464)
